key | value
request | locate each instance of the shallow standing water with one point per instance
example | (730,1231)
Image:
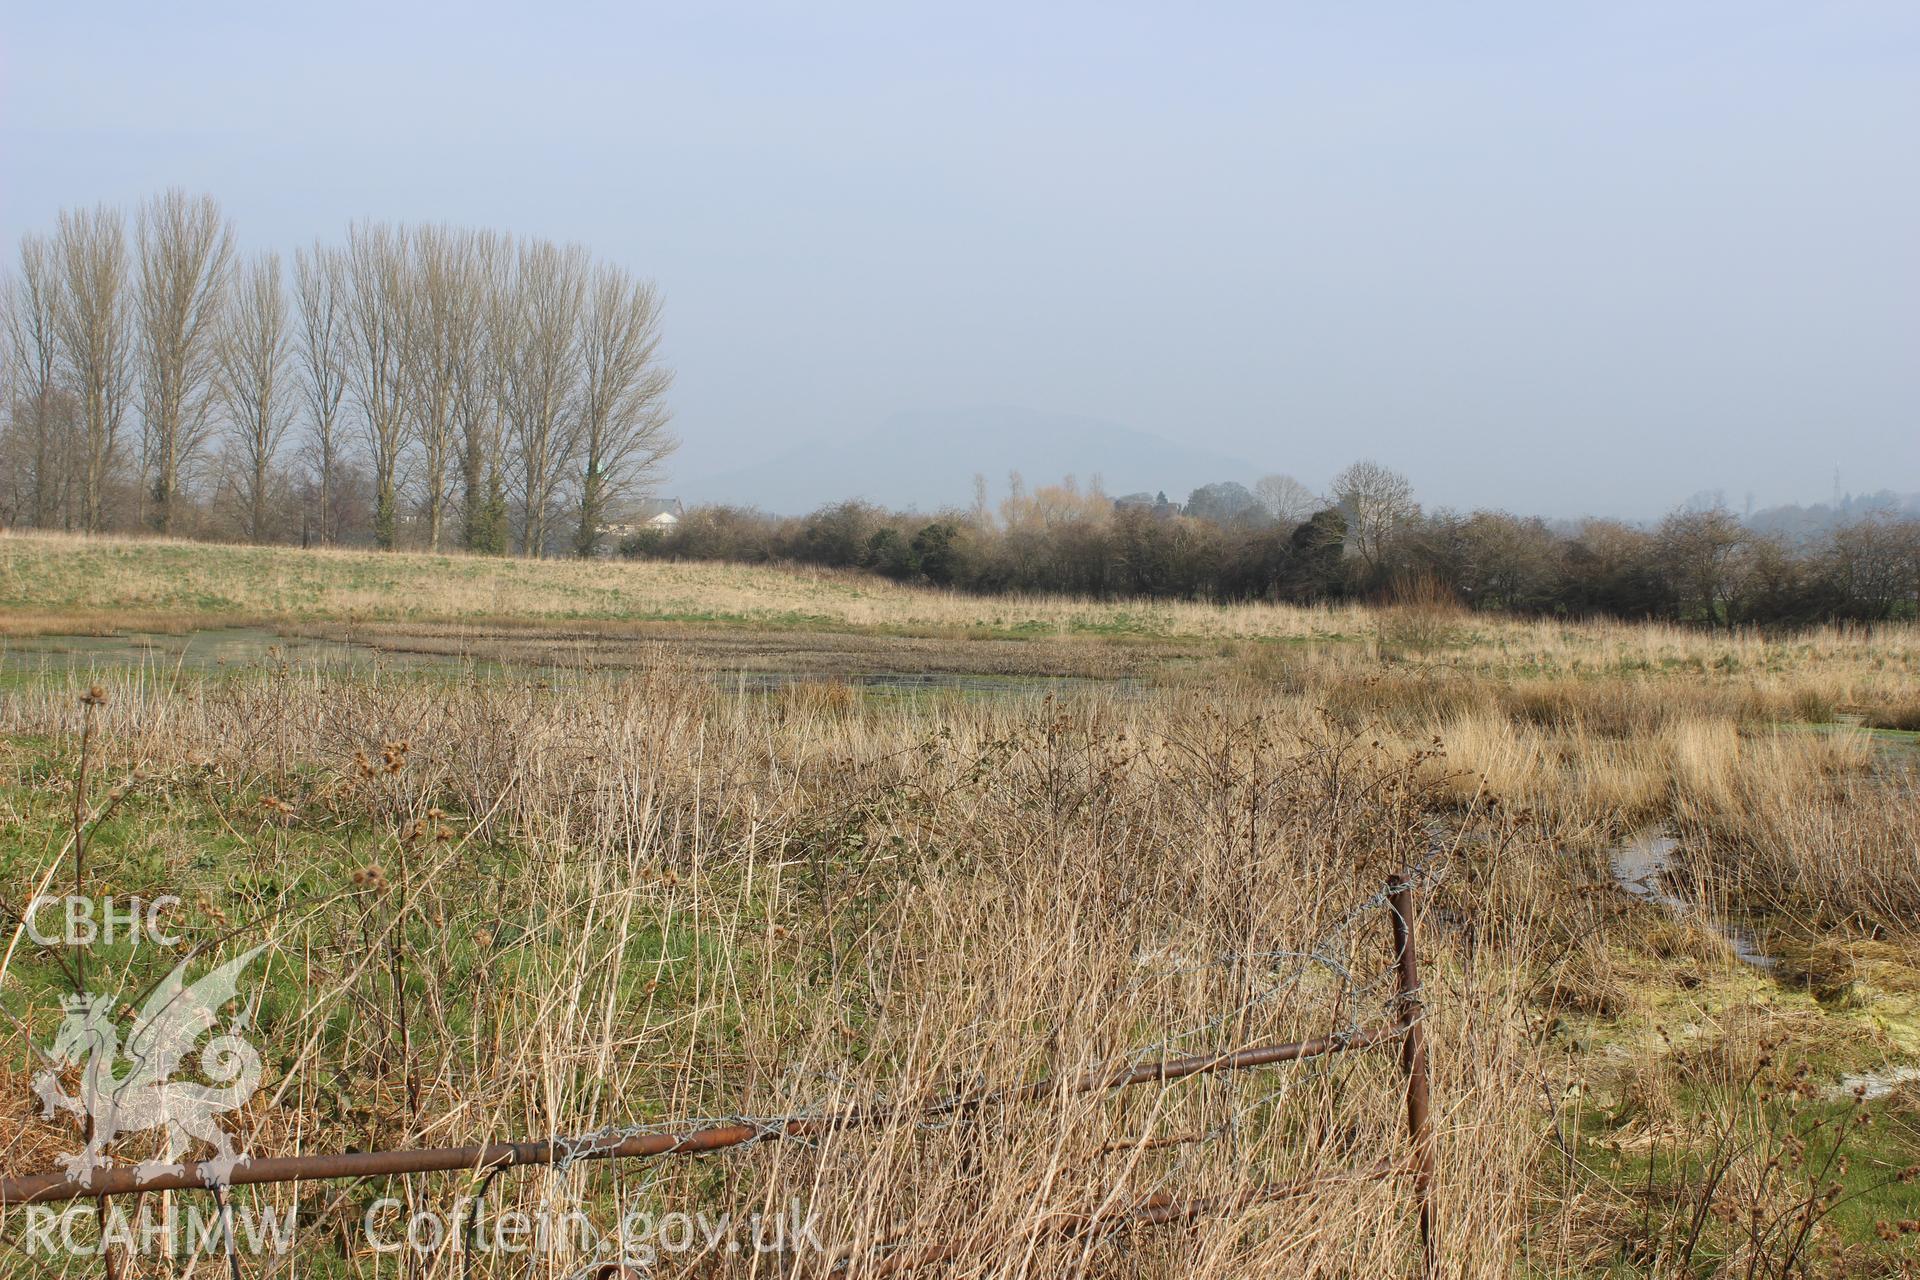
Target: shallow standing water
(203,652)
(221,649)
(1640,865)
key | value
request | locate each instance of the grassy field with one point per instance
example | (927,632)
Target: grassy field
(504,904)
(618,612)
(59,583)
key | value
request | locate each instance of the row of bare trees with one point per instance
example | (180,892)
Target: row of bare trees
(442,386)
(1367,539)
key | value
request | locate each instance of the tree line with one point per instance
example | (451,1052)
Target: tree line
(1367,538)
(424,385)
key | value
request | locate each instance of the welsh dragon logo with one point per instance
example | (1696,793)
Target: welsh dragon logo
(146,1097)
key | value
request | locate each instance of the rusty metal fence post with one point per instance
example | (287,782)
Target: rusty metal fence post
(1413,1060)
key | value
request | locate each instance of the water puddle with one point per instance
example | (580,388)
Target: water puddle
(909,684)
(206,652)
(214,651)
(1871,1086)
(1641,864)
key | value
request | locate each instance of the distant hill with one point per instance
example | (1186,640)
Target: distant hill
(927,461)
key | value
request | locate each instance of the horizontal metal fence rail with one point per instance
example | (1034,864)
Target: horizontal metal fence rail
(124,1179)
(1405,1030)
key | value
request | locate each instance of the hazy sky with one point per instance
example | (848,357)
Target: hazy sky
(1553,257)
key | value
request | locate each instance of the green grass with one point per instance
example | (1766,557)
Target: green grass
(1663,1180)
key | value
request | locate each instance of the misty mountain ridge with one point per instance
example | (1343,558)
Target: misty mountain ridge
(926,461)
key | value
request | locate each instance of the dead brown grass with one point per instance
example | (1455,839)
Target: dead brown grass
(646,896)
(686,903)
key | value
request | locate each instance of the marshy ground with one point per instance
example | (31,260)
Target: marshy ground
(534,858)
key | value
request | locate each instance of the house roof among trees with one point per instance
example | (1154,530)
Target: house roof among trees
(647,508)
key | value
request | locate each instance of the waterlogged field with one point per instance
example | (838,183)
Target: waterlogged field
(501,851)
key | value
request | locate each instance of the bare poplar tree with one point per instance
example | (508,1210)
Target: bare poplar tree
(96,345)
(477,400)
(539,363)
(41,413)
(444,309)
(186,260)
(321,355)
(16,482)
(623,411)
(253,355)
(375,276)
